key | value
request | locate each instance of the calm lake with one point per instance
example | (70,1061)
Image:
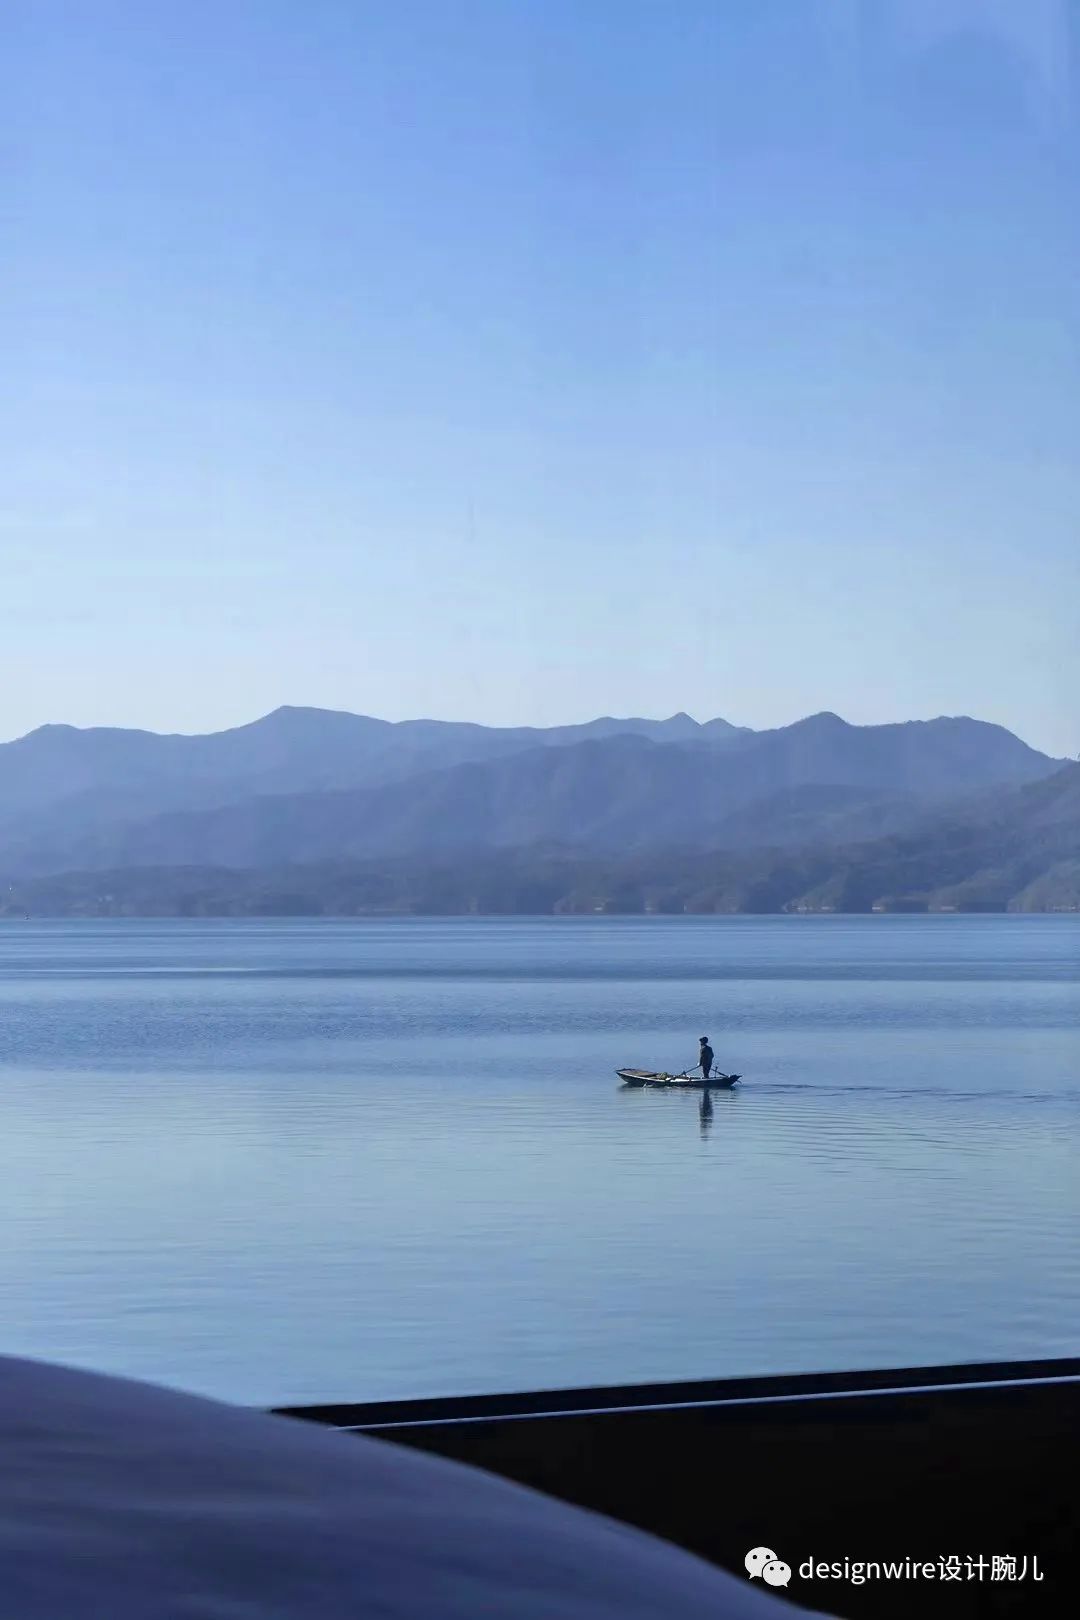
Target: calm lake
(297,1161)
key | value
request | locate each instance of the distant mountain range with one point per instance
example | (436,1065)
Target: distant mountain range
(312,811)
(289,751)
(1019,852)
(309,785)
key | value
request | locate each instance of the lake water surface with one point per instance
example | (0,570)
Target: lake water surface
(299,1161)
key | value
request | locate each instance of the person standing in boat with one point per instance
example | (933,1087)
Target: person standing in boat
(705,1057)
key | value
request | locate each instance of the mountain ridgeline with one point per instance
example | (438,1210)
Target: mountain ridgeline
(324,812)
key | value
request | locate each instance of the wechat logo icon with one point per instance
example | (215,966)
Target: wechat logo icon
(763,1562)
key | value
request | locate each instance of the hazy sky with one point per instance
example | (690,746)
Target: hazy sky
(524,360)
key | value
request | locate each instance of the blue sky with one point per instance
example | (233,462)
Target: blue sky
(523,360)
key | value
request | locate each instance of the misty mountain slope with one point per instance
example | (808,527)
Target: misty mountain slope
(1020,850)
(1015,850)
(560,794)
(820,780)
(933,758)
(290,748)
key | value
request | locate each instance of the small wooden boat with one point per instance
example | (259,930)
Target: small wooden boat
(677,1082)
